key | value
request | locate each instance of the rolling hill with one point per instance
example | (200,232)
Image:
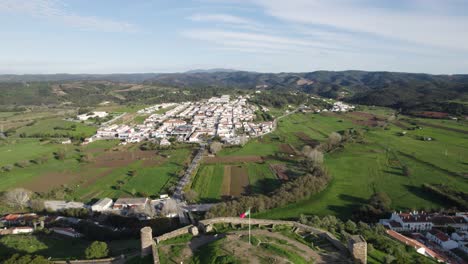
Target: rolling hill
(407,91)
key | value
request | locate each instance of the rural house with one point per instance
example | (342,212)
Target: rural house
(124,203)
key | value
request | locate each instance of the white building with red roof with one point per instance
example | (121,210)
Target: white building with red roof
(441,239)
(412,221)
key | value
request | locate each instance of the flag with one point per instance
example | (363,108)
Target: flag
(243,215)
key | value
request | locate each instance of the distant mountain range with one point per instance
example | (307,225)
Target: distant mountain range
(400,90)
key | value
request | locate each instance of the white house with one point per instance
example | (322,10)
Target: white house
(21,230)
(441,239)
(102,205)
(412,221)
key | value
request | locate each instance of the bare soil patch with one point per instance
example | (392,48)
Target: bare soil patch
(232,159)
(308,140)
(287,148)
(431,114)
(49,181)
(280,171)
(237,177)
(364,119)
(226,187)
(114,159)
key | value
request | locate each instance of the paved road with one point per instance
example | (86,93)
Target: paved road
(179,191)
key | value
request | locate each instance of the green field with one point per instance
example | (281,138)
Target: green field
(57,126)
(359,170)
(209,180)
(57,246)
(87,179)
(148,180)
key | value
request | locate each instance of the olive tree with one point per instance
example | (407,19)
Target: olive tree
(18,197)
(215,147)
(97,250)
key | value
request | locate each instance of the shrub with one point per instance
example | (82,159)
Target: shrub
(97,250)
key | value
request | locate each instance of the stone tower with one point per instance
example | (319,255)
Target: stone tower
(357,246)
(146,241)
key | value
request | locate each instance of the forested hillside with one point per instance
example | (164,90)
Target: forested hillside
(406,91)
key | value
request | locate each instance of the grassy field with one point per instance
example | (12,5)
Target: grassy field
(57,126)
(359,170)
(207,183)
(148,179)
(56,246)
(210,180)
(105,175)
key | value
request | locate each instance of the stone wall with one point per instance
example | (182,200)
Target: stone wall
(175,233)
(357,246)
(146,234)
(154,249)
(207,224)
(91,261)
(264,222)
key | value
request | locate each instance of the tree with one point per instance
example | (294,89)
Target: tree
(350,227)
(215,147)
(60,155)
(191,196)
(18,197)
(334,139)
(97,250)
(87,157)
(315,156)
(406,170)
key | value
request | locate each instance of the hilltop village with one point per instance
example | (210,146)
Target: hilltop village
(229,119)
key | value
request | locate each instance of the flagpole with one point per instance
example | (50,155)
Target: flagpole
(249,226)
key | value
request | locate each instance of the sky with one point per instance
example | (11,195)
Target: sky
(121,36)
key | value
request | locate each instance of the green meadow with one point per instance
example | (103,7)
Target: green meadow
(359,170)
(57,126)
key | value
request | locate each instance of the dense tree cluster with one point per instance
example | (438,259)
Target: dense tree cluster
(378,206)
(278,99)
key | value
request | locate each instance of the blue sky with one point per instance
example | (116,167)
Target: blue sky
(120,36)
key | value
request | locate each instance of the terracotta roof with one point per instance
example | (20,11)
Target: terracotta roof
(414,218)
(439,235)
(416,244)
(12,217)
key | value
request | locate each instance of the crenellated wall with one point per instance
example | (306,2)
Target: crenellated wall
(206,225)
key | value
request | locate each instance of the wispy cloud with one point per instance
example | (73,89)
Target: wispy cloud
(248,41)
(227,19)
(414,22)
(55,10)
